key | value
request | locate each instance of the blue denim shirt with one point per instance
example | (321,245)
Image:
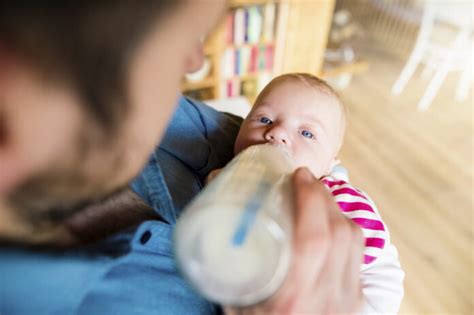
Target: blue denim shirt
(129,273)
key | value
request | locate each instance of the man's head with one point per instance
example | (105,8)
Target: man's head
(301,113)
(86,91)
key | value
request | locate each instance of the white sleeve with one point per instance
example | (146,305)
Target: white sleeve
(381,280)
(382,283)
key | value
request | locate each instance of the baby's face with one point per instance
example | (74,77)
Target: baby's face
(307,122)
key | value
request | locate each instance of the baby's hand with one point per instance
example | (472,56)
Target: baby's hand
(212,175)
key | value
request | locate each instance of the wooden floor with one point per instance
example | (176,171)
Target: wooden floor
(418,167)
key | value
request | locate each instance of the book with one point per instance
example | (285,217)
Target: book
(239,26)
(236,87)
(245,52)
(254,26)
(228,63)
(229,88)
(229,32)
(253,59)
(246,25)
(237,61)
(269,52)
(269,12)
(261,58)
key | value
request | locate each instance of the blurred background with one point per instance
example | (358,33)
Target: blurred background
(404,71)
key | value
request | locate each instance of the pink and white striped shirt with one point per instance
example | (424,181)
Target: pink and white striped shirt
(381,273)
(357,206)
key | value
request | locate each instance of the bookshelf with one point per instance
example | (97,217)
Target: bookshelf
(355,67)
(258,40)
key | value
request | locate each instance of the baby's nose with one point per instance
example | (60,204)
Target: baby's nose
(276,136)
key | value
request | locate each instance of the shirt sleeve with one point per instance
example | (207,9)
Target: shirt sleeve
(381,273)
(358,207)
(382,283)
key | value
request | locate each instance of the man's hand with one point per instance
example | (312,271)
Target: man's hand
(327,253)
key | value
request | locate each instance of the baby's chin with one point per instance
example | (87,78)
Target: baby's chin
(317,172)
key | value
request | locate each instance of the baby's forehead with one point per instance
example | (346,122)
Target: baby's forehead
(296,86)
(298,92)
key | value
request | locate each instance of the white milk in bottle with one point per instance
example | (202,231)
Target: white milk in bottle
(233,242)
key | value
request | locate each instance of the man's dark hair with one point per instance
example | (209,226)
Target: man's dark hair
(84,44)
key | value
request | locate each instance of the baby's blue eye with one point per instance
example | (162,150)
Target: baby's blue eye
(265,120)
(307,134)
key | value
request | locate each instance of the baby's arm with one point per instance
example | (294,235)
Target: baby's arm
(381,273)
(382,283)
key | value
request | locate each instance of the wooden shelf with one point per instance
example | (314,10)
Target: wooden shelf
(244,77)
(243,3)
(352,68)
(262,43)
(208,82)
(295,22)
(248,76)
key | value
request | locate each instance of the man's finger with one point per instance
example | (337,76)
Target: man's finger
(311,229)
(310,216)
(351,279)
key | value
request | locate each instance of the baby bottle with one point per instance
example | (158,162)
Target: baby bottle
(233,242)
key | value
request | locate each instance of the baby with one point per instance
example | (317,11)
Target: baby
(304,115)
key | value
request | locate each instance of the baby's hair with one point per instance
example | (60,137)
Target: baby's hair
(307,79)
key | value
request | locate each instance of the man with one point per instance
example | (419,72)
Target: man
(86,91)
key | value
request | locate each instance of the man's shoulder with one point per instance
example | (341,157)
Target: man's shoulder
(199,135)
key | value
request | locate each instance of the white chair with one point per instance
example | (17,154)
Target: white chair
(438,57)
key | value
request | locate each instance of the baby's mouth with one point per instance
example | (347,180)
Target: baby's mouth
(284,148)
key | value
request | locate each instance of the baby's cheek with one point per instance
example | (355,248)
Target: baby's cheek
(239,145)
(245,140)
(317,170)
(315,163)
